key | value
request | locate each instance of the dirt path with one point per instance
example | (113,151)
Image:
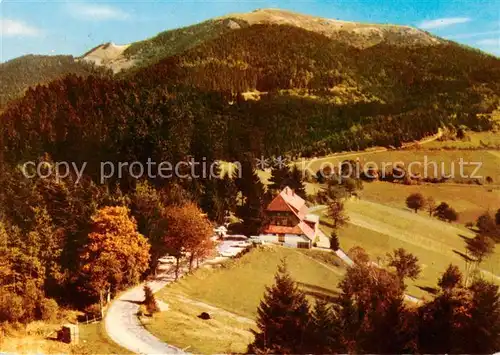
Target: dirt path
(303,163)
(496,153)
(330,268)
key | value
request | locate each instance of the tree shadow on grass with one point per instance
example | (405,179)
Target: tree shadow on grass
(428,289)
(463,256)
(464,237)
(134,302)
(318,292)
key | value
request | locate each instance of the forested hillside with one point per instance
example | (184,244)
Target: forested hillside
(316,96)
(274,57)
(264,89)
(19,74)
(176,41)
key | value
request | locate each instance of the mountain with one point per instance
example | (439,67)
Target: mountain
(254,84)
(20,73)
(172,42)
(266,57)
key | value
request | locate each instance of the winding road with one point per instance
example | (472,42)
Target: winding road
(124,327)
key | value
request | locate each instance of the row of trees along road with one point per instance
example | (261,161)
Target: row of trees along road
(78,244)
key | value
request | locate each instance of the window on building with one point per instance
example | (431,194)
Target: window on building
(303,245)
(281,238)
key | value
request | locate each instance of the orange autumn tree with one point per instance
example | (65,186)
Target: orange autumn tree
(187,230)
(116,255)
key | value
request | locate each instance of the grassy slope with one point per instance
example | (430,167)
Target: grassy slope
(181,326)
(446,158)
(379,230)
(473,140)
(232,294)
(470,201)
(93,340)
(239,285)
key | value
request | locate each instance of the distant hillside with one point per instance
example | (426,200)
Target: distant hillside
(172,42)
(281,57)
(19,74)
(268,89)
(176,41)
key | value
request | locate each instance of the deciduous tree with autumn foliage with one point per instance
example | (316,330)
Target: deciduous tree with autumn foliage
(116,255)
(187,230)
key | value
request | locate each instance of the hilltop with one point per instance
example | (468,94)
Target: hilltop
(360,35)
(172,42)
(21,73)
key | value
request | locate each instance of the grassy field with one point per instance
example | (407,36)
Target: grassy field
(447,162)
(231,294)
(93,340)
(469,201)
(180,325)
(238,286)
(380,229)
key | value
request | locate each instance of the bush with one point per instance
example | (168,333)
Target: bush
(150,301)
(11,308)
(93,311)
(48,309)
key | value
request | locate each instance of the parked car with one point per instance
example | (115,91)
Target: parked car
(241,244)
(228,253)
(255,240)
(168,259)
(235,237)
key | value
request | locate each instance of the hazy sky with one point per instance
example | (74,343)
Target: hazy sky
(73,27)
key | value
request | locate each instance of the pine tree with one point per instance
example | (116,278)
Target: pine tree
(451,278)
(227,190)
(443,323)
(484,327)
(251,211)
(219,197)
(325,337)
(296,182)
(147,208)
(211,203)
(283,318)
(334,241)
(372,312)
(280,178)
